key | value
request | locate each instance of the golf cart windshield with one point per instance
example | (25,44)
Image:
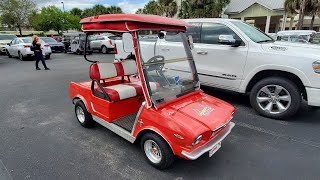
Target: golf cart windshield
(169,70)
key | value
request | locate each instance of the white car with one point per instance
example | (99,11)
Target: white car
(21,48)
(4,40)
(235,56)
(297,36)
(103,43)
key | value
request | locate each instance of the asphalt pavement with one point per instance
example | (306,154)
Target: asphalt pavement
(40,137)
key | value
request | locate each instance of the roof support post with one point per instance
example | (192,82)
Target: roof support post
(268,24)
(291,23)
(242,18)
(284,21)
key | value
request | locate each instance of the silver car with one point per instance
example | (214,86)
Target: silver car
(4,40)
(21,48)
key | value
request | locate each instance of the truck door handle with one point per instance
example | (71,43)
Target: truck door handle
(202,52)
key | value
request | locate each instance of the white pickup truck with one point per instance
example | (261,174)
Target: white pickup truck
(232,55)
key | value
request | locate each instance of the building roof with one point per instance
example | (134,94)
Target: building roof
(237,6)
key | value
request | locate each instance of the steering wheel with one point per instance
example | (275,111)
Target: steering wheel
(158,63)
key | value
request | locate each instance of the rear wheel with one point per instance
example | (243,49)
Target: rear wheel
(48,56)
(79,52)
(276,98)
(8,54)
(83,116)
(104,50)
(157,151)
(21,56)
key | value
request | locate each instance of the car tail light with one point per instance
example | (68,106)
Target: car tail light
(46,45)
(27,46)
(110,41)
(115,49)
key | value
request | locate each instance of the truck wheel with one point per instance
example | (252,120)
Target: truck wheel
(83,116)
(104,50)
(157,151)
(276,98)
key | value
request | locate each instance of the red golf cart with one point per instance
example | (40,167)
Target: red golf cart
(148,98)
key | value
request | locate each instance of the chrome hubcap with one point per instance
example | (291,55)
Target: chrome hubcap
(104,50)
(80,114)
(153,151)
(273,99)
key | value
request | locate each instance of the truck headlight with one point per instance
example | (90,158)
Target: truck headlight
(316,67)
(197,140)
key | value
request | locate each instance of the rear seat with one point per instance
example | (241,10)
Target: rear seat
(103,71)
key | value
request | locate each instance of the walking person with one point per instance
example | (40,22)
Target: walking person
(36,43)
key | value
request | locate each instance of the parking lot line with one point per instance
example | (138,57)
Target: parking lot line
(4,174)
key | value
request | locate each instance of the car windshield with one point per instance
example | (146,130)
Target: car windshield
(253,33)
(49,40)
(7,37)
(171,72)
(27,40)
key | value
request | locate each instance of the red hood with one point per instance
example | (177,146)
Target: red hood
(206,110)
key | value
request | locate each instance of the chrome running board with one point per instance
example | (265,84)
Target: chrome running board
(116,129)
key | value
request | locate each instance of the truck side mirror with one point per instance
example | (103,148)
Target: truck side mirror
(229,40)
(161,35)
(127,42)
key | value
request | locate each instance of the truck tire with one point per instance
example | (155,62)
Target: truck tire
(104,49)
(157,151)
(83,116)
(275,97)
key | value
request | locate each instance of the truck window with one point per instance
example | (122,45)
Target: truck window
(193,30)
(210,33)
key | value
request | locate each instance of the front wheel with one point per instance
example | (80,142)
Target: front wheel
(276,98)
(104,50)
(157,151)
(83,116)
(8,54)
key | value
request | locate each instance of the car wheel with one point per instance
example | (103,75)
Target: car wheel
(104,50)
(83,116)
(8,54)
(276,98)
(48,56)
(157,151)
(21,56)
(79,52)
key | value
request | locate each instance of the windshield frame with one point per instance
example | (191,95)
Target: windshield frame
(189,58)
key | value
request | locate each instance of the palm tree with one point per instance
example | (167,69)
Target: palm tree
(99,9)
(151,8)
(202,8)
(303,8)
(114,10)
(168,8)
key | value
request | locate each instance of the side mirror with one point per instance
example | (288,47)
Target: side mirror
(161,35)
(190,42)
(9,44)
(127,42)
(229,40)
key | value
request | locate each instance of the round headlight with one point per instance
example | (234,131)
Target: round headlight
(197,140)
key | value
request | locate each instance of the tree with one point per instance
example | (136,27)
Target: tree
(52,18)
(76,12)
(114,10)
(202,8)
(152,7)
(168,8)
(303,8)
(99,9)
(16,13)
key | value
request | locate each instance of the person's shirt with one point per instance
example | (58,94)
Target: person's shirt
(37,46)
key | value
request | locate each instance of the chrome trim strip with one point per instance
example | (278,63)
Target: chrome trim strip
(137,117)
(195,154)
(116,129)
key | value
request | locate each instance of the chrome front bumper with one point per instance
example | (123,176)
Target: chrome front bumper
(195,154)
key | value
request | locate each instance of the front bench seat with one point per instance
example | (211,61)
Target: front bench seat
(103,71)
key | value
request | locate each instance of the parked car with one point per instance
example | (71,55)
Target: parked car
(235,56)
(103,43)
(4,40)
(21,48)
(55,45)
(296,36)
